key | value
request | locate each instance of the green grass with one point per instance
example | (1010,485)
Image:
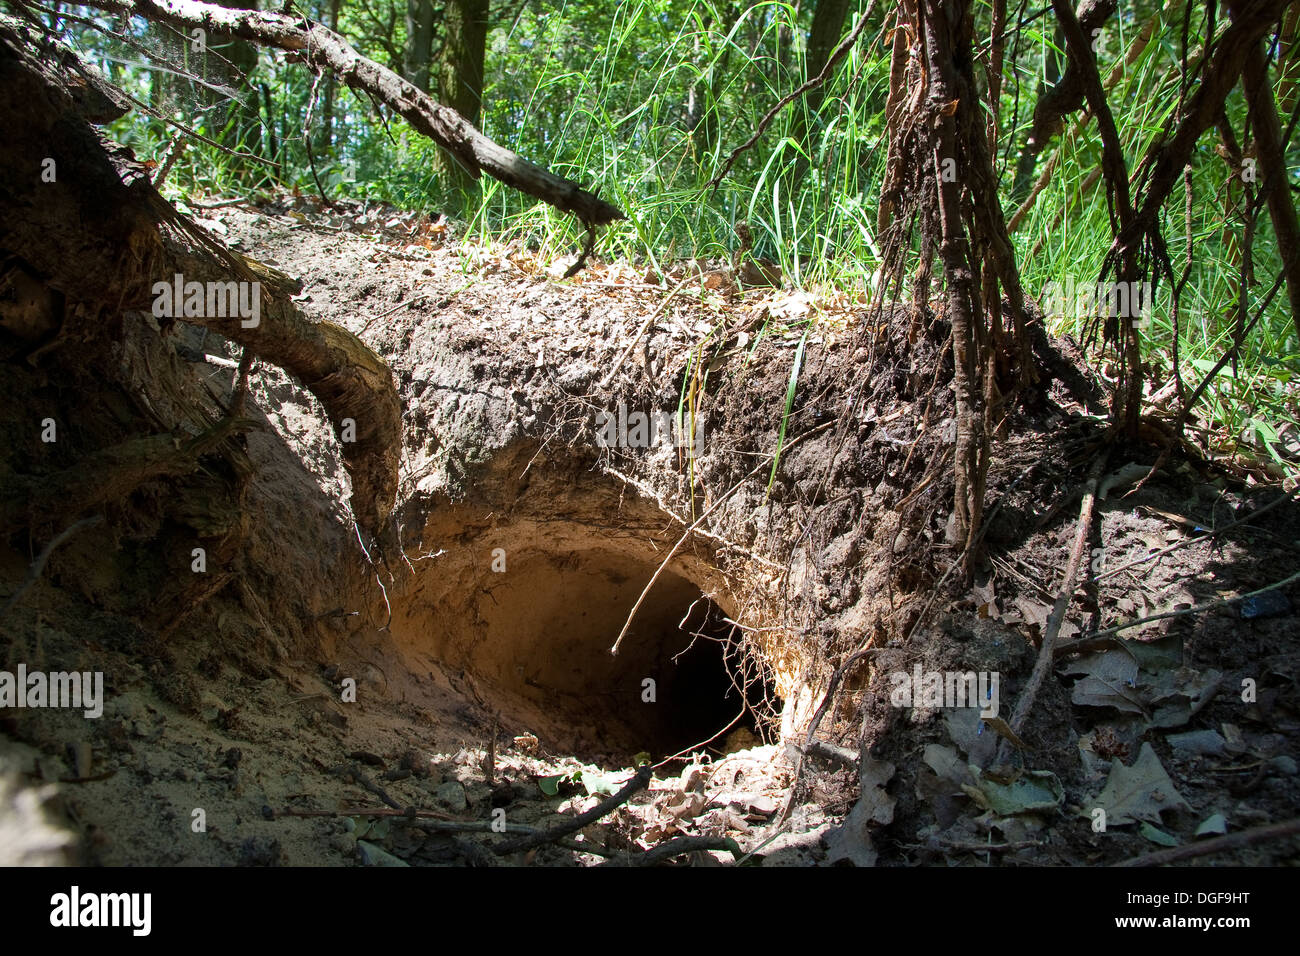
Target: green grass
(601,94)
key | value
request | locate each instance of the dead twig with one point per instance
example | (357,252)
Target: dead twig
(401,305)
(34,572)
(1210,606)
(688,844)
(763,463)
(1045,653)
(1233,841)
(639,781)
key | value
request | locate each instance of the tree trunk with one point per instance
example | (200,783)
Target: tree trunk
(419,43)
(460,84)
(234,62)
(1274,181)
(326,142)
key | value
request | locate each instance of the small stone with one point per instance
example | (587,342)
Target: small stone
(82,759)
(260,851)
(344,843)
(1205,742)
(372,855)
(452,795)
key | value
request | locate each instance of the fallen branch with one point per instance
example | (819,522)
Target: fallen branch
(1233,841)
(324,49)
(640,780)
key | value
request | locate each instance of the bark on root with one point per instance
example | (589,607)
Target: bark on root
(101,235)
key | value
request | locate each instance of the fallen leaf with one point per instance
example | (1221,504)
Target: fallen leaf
(1159,837)
(1031,792)
(1138,793)
(1215,823)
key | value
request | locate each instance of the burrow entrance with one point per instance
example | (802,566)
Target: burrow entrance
(526,610)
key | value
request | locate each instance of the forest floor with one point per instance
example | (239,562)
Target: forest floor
(482,702)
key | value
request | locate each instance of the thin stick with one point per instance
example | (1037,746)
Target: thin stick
(1210,533)
(401,305)
(1212,605)
(649,492)
(833,686)
(1045,653)
(34,572)
(642,331)
(700,520)
(638,782)
(687,844)
(682,754)
(1233,841)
